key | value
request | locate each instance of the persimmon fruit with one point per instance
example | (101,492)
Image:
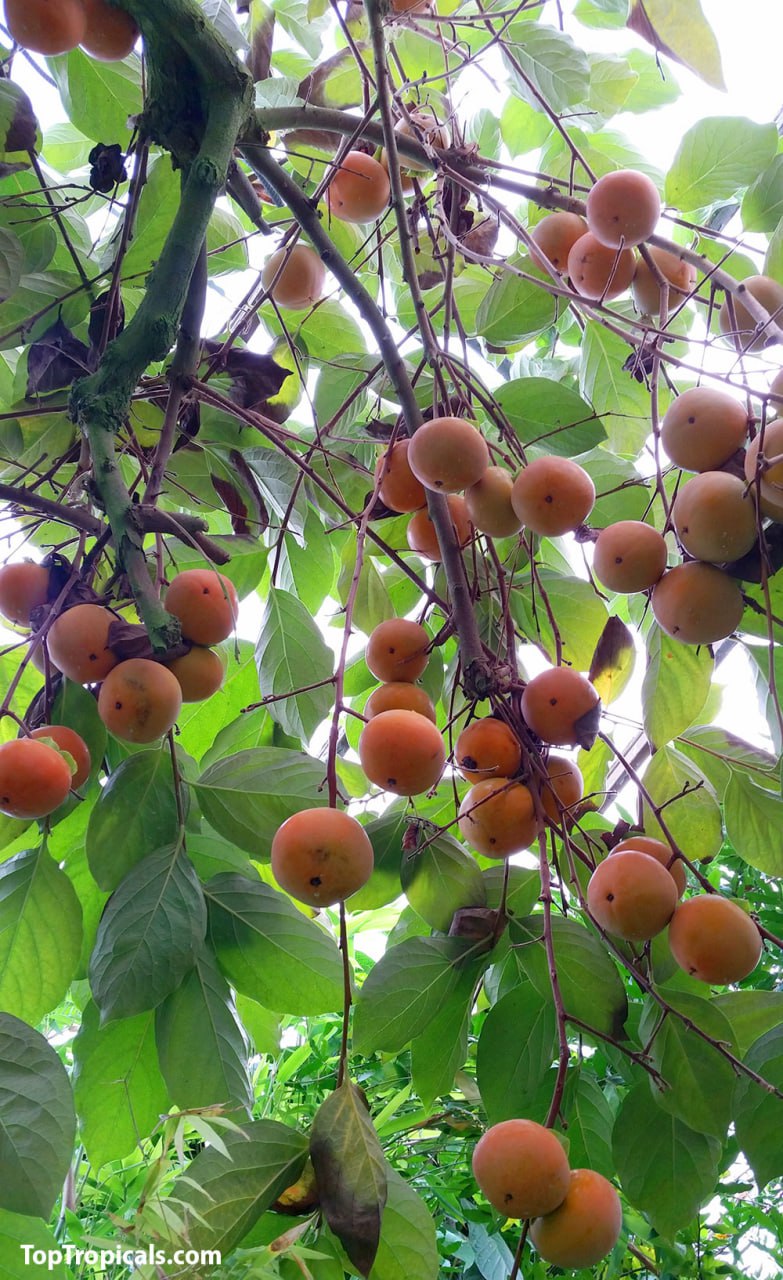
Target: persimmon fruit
(139,700)
(448,454)
(421,534)
(629,556)
(552,496)
(110,33)
(714,940)
(598,272)
(78,643)
(399,488)
(632,895)
(714,515)
(402,752)
(359,190)
(397,649)
(34,778)
(743,330)
(702,428)
(489,506)
(69,740)
(46,26)
(769,487)
(321,856)
(206,604)
(561,706)
(24,586)
(554,237)
(498,817)
(521,1168)
(680,276)
(697,603)
(623,208)
(661,852)
(584,1229)
(199,672)
(487,748)
(399,695)
(562,788)
(294,276)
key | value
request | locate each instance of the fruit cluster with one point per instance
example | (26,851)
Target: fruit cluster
(57,26)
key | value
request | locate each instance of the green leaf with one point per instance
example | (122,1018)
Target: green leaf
(590,1122)
(291,654)
(750,1013)
(754,823)
(201,1046)
(439,1051)
(270,951)
(150,933)
(372,603)
(117,1085)
(386,836)
(550,415)
(407,1249)
(578,611)
(261,1025)
(614,394)
(517,1044)
(679,28)
(757,1113)
(135,813)
(515,309)
(99,97)
(665,1168)
(590,985)
(17,1231)
(440,879)
(11,262)
(40,934)
(676,684)
(405,989)
(76,707)
(717,753)
(247,796)
(700,1080)
(716,158)
(351,1173)
(655,86)
(613,660)
(549,61)
(692,811)
(611,81)
(223,1196)
(762,204)
(37,1120)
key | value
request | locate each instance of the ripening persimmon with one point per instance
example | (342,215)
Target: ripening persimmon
(402,752)
(487,748)
(448,454)
(658,850)
(554,237)
(78,643)
(199,672)
(714,940)
(769,485)
(321,856)
(46,26)
(680,276)
(489,504)
(697,603)
(632,895)
(584,1229)
(139,700)
(629,556)
(397,649)
(562,707)
(110,33)
(399,489)
(597,272)
(521,1168)
(421,534)
(702,428)
(498,817)
(408,6)
(398,695)
(623,208)
(294,277)
(23,588)
(206,604)
(69,740)
(552,496)
(745,332)
(424,127)
(359,190)
(34,778)
(714,515)
(562,788)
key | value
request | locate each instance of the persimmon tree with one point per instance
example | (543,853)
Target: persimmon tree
(470,400)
